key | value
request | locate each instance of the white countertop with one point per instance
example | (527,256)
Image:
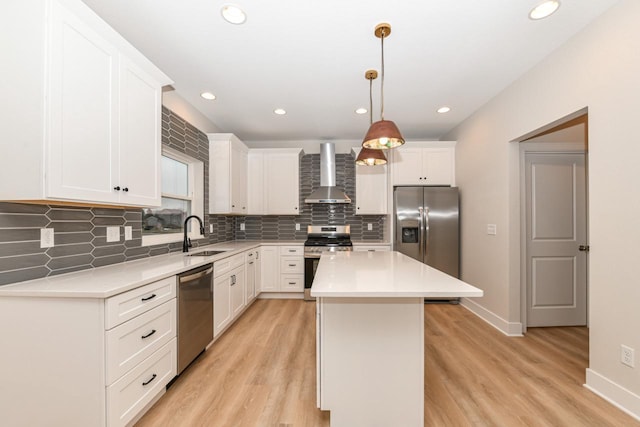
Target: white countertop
(104,282)
(384,274)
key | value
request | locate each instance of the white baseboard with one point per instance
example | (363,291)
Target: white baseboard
(281,295)
(511,329)
(613,393)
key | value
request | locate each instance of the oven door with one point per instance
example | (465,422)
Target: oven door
(310,266)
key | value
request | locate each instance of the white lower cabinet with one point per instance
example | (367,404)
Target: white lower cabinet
(282,268)
(86,361)
(131,393)
(252,274)
(231,295)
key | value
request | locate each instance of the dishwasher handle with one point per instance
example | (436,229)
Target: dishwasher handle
(196,275)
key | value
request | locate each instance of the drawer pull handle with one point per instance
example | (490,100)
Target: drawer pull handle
(292,250)
(151,379)
(292,283)
(251,263)
(293,265)
(153,331)
(152,296)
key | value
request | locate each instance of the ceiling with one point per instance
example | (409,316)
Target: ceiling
(309,58)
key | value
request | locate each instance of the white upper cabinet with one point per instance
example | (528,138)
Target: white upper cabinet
(93,106)
(429,163)
(371,188)
(228,158)
(274,185)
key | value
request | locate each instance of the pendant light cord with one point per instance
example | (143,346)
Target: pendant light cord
(370,101)
(382,35)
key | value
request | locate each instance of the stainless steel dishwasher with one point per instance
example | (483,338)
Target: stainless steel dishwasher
(195,313)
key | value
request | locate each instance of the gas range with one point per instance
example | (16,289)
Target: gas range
(320,239)
(327,238)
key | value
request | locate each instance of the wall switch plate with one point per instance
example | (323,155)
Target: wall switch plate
(297,227)
(128,232)
(210,228)
(369,226)
(492,229)
(627,356)
(242,226)
(113,234)
(46,238)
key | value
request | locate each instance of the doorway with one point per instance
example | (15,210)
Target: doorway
(554,226)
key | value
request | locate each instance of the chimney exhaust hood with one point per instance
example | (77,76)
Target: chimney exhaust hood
(327,192)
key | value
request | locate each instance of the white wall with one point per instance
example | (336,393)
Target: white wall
(600,69)
(176,103)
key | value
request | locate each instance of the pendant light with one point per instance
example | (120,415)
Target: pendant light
(368,156)
(382,134)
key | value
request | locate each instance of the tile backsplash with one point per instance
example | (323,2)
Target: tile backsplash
(80,232)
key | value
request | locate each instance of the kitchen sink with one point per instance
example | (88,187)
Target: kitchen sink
(206,253)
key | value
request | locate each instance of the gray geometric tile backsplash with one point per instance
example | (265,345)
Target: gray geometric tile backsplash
(80,232)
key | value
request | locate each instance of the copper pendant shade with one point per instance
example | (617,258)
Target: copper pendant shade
(383,134)
(367,156)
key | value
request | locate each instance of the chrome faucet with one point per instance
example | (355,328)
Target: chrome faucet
(186,242)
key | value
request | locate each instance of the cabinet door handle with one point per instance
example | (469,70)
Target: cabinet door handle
(296,208)
(153,377)
(125,189)
(153,331)
(250,263)
(117,188)
(233,280)
(149,297)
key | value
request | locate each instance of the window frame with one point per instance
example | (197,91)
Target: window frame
(195,171)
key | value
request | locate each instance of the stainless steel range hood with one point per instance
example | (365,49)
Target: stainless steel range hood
(327,192)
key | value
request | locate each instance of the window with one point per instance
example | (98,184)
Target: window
(182,195)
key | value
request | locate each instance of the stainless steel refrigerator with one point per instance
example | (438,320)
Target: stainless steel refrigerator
(426,226)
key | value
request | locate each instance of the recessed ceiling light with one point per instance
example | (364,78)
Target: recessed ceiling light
(280,111)
(362,111)
(208,95)
(233,14)
(443,110)
(544,9)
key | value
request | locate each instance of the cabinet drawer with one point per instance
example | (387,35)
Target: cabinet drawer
(292,283)
(225,265)
(131,393)
(135,340)
(371,248)
(291,265)
(125,306)
(292,250)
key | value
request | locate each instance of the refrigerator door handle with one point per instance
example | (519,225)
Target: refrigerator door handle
(426,233)
(421,239)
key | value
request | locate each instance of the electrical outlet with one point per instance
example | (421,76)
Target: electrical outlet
(242,226)
(492,229)
(46,238)
(627,356)
(369,226)
(128,232)
(113,234)
(297,227)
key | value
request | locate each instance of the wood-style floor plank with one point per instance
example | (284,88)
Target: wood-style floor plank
(261,373)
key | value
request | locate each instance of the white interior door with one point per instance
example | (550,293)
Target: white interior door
(556,229)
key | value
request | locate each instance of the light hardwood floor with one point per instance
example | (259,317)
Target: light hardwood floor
(262,373)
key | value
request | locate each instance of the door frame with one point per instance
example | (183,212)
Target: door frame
(544,148)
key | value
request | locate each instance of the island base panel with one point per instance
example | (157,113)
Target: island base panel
(371,360)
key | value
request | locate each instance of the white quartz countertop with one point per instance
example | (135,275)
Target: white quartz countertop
(104,282)
(384,274)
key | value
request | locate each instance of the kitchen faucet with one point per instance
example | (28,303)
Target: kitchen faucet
(186,242)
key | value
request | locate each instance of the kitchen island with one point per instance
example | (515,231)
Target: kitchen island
(370,335)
